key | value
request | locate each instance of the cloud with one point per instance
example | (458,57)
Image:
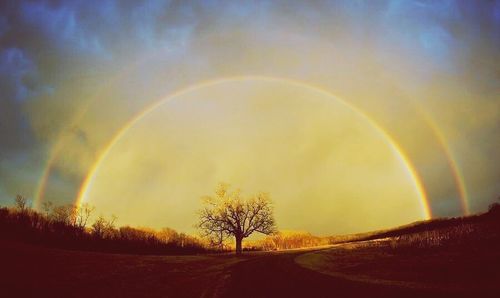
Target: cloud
(17,75)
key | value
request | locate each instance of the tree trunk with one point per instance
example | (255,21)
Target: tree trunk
(238,244)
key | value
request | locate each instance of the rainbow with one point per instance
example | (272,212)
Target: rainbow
(89,178)
(58,145)
(42,183)
(54,153)
(452,164)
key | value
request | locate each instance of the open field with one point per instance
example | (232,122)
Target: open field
(344,270)
(35,271)
(445,258)
(29,271)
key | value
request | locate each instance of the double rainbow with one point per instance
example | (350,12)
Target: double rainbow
(91,174)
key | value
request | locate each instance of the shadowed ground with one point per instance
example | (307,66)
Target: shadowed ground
(278,275)
(449,271)
(29,271)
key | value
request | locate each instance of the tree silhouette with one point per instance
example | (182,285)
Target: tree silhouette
(21,203)
(102,227)
(47,208)
(66,227)
(227,214)
(82,215)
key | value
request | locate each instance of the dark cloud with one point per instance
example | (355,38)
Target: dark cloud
(17,84)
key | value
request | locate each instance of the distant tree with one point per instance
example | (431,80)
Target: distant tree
(227,214)
(290,240)
(138,234)
(63,214)
(102,227)
(69,214)
(21,203)
(47,208)
(82,215)
(168,235)
(98,227)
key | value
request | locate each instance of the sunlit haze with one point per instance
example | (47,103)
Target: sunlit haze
(325,165)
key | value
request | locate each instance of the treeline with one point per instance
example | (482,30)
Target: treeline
(68,227)
(287,240)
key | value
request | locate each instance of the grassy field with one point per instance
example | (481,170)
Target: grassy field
(454,256)
(376,262)
(33,271)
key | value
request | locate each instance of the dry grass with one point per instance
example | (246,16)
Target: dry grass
(459,258)
(34,271)
(463,235)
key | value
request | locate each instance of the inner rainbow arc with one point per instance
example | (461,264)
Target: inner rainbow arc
(89,178)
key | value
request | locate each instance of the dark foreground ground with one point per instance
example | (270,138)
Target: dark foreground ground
(30,271)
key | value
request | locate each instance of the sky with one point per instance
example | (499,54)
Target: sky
(338,108)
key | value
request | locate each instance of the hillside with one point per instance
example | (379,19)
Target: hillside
(486,223)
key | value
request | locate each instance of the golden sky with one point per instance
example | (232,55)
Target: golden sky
(73,74)
(326,167)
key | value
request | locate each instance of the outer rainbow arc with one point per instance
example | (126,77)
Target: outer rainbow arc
(456,173)
(54,152)
(56,148)
(40,189)
(458,178)
(83,191)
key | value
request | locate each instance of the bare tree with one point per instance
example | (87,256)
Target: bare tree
(103,228)
(168,235)
(21,203)
(47,208)
(70,214)
(64,214)
(227,214)
(82,215)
